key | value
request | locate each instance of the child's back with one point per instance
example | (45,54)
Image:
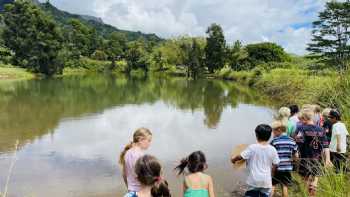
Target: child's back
(260,159)
(286,147)
(197,185)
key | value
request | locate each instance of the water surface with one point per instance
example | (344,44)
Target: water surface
(71,130)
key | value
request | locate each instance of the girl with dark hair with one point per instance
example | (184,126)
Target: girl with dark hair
(196,183)
(148,171)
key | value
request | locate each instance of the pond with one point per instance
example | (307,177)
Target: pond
(71,130)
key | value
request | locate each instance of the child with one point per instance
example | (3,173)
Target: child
(148,171)
(293,119)
(338,141)
(318,118)
(132,152)
(261,158)
(283,115)
(294,113)
(286,149)
(312,143)
(196,183)
(327,124)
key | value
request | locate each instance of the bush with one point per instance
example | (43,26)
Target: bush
(293,86)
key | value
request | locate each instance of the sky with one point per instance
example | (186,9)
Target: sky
(286,22)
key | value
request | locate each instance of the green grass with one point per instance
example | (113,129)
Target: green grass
(330,184)
(8,72)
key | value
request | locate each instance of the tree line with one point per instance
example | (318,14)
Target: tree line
(37,42)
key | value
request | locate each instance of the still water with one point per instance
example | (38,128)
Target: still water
(71,130)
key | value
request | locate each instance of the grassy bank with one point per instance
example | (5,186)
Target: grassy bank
(8,73)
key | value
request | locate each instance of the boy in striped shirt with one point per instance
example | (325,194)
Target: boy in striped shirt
(286,149)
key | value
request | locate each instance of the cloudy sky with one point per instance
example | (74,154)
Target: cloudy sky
(287,22)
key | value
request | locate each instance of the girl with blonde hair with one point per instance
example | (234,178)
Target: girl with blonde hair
(142,138)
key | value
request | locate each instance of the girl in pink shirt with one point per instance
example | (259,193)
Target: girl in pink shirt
(132,152)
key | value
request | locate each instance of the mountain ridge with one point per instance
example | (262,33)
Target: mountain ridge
(63,17)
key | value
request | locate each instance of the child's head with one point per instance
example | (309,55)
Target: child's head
(325,112)
(334,116)
(263,132)
(195,162)
(284,112)
(149,173)
(142,138)
(306,115)
(317,109)
(294,109)
(278,128)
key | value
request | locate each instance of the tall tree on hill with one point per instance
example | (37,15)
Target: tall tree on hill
(33,37)
(80,38)
(215,51)
(136,56)
(115,47)
(331,34)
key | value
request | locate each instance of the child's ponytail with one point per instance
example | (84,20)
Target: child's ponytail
(148,171)
(122,154)
(182,166)
(160,188)
(195,162)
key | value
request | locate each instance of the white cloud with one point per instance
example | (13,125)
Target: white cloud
(281,21)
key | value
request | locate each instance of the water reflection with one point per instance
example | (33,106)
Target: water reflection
(72,129)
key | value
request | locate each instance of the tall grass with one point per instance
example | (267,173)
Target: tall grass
(330,184)
(9,174)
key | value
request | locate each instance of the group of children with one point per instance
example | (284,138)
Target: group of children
(302,141)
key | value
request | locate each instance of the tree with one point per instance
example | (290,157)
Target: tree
(215,50)
(80,38)
(34,38)
(264,53)
(236,56)
(136,56)
(331,34)
(115,47)
(159,60)
(195,60)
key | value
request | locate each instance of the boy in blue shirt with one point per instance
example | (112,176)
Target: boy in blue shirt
(287,149)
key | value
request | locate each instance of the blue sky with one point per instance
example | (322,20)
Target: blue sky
(286,22)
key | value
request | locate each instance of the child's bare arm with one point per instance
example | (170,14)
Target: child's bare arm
(274,169)
(237,158)
(211,188)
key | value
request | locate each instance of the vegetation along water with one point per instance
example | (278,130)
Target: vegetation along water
(39,41)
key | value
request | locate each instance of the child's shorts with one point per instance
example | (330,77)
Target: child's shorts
(282,177)
(257,192)
(310,167)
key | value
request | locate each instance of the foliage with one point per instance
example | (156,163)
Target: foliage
(215,50)
(331,35)
(115,47)
(83,40)
(34,38)
(236,56)
(265,52)
(136,56)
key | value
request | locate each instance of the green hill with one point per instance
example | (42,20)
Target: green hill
(63,18)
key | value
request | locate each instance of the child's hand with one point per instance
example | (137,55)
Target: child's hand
(233,160)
